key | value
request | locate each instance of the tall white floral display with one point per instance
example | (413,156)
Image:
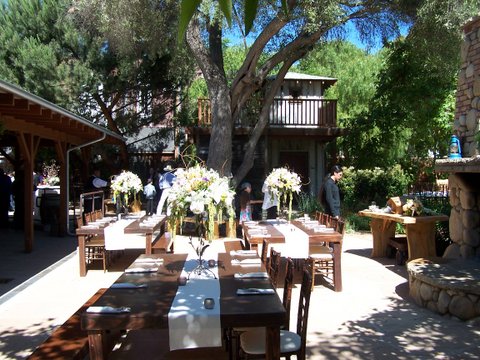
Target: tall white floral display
(127,185)
(203,192)
(283,183)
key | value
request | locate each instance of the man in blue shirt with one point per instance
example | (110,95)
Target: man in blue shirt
(165,184)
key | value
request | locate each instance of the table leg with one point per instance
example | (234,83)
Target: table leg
(421,240)
(95,344)
(81,255)
(272,347)
(382,230)
(337,266)
(148,243)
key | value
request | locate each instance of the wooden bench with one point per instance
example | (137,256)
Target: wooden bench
(68,341)
(400,248)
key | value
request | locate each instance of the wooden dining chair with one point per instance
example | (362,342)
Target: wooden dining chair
(287,304)
(252,343)
(323,258)
(94,247)
(274,266)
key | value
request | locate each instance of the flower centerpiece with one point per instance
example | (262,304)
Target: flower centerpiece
(128,185)
(283,183)
(413,207)
(203,192)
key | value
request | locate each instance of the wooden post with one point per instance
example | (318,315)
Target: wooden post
(28,147)
(60,148)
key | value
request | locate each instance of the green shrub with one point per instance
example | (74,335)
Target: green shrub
(360,187)
(308,203)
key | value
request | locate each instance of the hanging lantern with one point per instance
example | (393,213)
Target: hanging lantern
(454,150)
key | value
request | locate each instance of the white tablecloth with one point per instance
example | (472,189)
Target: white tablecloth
(115,238)
(190,324)
(296,242)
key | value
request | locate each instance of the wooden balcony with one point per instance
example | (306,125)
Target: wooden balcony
(287,113)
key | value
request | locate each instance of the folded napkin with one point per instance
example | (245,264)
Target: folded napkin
(255,291)
(148,261)
(108,310)
(252,275)
(324,229)
(137,270)
(256,261)
(259,234)
(127,286)
(243,252)
(92,226)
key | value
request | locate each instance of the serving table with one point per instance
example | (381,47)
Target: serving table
(274,236)
(139,226)
(149,306)
(420,231)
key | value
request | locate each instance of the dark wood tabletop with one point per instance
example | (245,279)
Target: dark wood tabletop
(150,305)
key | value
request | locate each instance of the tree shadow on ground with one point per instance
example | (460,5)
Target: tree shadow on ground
(404,331)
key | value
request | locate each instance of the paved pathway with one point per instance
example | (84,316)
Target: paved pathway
(373,318)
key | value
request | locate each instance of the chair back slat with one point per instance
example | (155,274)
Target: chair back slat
(264,254)
(287,292)
(274,266)
(303,308)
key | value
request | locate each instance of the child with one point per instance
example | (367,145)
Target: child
(150,193)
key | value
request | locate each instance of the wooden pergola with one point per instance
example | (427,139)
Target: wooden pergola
(27,121)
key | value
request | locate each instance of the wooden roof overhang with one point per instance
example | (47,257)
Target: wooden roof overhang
(23,112)
(28,120)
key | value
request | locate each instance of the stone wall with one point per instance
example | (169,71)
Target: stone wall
(465,216)
(467,113)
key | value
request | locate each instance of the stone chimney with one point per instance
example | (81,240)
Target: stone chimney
(467,113)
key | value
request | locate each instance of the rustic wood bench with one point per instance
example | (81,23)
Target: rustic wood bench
(400,248)
(67,341)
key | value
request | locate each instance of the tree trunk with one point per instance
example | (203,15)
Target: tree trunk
(211,63)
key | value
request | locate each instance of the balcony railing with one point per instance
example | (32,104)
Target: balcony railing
(284,113)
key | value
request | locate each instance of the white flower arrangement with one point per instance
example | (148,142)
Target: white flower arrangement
(283,183)
(126,183)
(202,191)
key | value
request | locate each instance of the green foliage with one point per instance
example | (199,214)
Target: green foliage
(360,187)
(355,69)
(356,223)
(308,203)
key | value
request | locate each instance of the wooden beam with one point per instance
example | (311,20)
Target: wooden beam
(6,99)
(72,136)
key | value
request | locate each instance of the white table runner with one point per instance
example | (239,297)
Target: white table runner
(114,234)
(296,242)
(190,324)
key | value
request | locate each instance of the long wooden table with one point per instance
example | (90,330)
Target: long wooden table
(420,231)
(274,236)
(134,228)
(150,305)
(138,228)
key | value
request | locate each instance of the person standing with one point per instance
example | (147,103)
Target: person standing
(150,192)
(165,184)
(270,202)
(245,206)
(5,191)
(329,192)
